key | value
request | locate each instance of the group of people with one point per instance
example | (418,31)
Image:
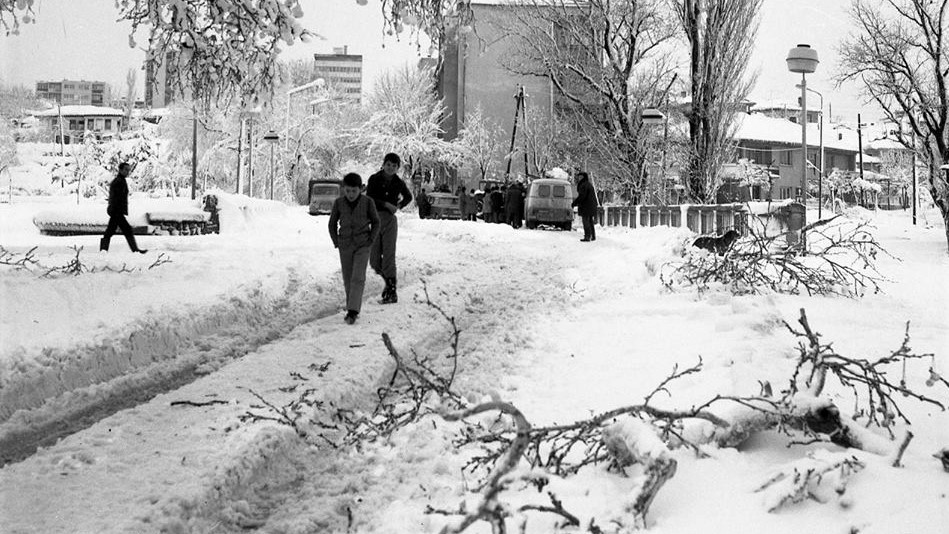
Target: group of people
(504,204)
(363,225)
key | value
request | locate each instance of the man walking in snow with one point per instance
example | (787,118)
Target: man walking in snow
(118,209)
(390,194)
(354,226)
(586,204)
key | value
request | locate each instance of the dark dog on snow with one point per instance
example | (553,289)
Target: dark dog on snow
(718,244)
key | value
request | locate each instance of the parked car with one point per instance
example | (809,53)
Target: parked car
(322,195)
(444,206)
(549,202)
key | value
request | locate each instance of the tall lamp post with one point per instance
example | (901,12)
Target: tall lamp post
(803,59)
(272,138)
(820,177)
(655,117)
(319,82)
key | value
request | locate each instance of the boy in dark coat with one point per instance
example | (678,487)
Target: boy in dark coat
(390,194)
(586,204)
(354,226)
(118,209)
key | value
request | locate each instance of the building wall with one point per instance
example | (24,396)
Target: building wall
(76,126)
(786,161)
(75,92)
(474,75)
(341,71)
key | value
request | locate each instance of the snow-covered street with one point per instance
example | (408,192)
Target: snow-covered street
(559,328)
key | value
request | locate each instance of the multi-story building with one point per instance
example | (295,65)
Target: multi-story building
(75,93)
(342,72)
(159,90)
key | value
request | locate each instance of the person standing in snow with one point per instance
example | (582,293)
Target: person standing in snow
(424,205)
(513,205)
(586,205)
(118,208)
(462,203)
(390,194)
(354,226)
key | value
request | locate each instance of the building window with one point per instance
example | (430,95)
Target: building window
(785,157)
(108,124)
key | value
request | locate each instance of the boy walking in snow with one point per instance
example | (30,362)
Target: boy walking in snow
(390,194)
(354,226)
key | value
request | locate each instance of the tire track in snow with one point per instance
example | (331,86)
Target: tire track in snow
(62,392)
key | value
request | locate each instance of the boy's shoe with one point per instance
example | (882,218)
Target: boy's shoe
(390,296)
(351,317)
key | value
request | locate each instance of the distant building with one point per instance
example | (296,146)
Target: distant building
(773,145)
(783,110)
(342,72)
(159,91)
(474,76)
(101,121)
(75,93)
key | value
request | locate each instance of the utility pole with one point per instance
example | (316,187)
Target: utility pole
(194,150)
(240,154)
(518,102)
(860,147)
(914,173)
(62,134)
(250,158)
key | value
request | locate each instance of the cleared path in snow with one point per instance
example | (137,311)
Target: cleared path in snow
(197,465)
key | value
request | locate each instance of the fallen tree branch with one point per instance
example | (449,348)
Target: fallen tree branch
(193,403)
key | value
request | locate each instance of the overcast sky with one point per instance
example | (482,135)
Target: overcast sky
(80,39)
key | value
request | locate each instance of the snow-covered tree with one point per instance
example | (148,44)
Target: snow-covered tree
(899,49)
(607,61)
(480,142)
(721,35)
(216,150)
(7,150)
(214,49)
(83,170)
(320,139)
(404,117)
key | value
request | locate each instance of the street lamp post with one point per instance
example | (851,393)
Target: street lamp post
(319,82)
(655,117)
(272,138)
(250,115)
(803,59)
(820,178)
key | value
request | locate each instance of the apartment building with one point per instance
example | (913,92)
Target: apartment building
(75,92)
(342,72)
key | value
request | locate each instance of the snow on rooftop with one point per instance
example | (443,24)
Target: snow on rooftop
(82,110)
(758,127)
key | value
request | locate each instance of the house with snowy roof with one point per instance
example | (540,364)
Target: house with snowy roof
(771,147)
(103,122)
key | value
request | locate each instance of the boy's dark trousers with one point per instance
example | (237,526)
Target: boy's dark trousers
(118,221)
(382,256)
(589,227)
(353,262)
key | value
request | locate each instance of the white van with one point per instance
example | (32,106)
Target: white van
(549,201)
